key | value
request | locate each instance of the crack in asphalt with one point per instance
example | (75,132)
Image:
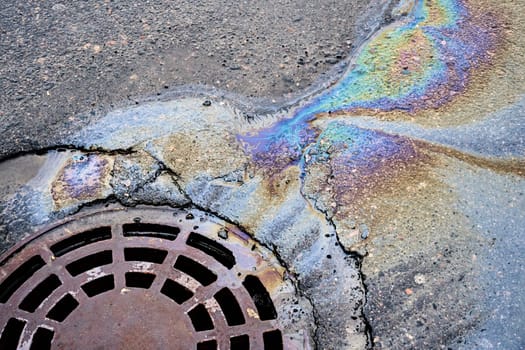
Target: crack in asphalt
(163,168)
(65,148)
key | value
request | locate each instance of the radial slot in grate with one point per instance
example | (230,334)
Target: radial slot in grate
(139,278)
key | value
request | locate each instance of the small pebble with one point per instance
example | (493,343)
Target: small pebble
(420,279)
(206,103)
(223,233)
(363,229)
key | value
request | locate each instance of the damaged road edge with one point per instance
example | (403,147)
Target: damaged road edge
(134,177)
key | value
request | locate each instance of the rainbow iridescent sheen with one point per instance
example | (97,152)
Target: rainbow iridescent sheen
(81,178)
(420,63)
(360,147)
(356,157)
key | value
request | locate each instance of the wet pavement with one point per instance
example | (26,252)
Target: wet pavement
(394,196)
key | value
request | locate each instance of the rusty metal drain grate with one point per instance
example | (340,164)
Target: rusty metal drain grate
(140,278)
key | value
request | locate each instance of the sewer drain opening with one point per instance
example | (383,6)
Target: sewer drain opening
(134,279)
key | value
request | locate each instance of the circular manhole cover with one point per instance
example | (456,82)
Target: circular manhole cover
(144,278)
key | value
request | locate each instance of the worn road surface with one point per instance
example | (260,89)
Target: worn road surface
(377,147)
(61,63)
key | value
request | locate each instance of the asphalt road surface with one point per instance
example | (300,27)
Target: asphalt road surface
(64,62)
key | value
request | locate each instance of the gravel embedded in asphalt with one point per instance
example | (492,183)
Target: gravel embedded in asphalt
(61,63)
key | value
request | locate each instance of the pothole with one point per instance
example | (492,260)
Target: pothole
(122,278)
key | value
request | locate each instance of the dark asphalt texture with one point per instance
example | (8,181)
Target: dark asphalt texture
(64,63)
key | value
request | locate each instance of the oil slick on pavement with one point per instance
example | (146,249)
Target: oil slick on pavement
(414,159)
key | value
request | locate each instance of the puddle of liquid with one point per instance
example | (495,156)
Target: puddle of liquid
(17,172)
